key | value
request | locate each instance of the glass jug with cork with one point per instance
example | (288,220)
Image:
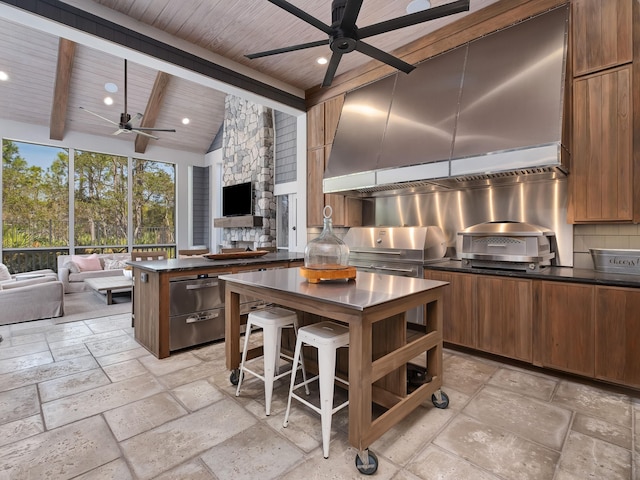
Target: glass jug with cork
(327,256)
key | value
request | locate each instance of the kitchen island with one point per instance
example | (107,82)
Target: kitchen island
(152,298)
(380,345)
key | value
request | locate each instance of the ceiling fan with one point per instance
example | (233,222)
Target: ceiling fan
(345,36)
(125,125)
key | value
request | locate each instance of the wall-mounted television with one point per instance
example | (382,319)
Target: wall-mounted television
(237,200)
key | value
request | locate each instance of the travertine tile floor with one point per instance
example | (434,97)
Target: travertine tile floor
(83,400)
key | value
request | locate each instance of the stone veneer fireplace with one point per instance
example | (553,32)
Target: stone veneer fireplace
(247,154)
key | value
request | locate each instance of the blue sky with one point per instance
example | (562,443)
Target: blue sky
(40,155)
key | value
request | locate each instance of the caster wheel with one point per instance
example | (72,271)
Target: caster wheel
(234,378)
(442,404)
(368,469)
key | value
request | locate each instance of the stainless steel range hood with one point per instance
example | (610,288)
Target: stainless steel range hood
(491,106)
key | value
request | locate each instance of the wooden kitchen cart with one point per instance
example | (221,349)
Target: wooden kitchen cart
(380,348)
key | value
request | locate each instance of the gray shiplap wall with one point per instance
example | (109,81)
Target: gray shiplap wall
(285,146)
(201,222)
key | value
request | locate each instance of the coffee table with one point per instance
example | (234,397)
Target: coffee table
(109,284)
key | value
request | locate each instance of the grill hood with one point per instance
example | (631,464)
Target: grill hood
(488,107)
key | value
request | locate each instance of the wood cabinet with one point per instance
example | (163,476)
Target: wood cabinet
(567,335)
(601,34)
(505,316)
(459,317)
(322,122)
(617,335)
(602,151)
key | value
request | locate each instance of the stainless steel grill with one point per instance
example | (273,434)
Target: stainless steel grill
(396,251)
(507,245)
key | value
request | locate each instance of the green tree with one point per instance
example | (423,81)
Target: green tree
(100,199)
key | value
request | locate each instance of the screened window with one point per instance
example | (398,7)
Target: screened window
(35,195)
(154,202)
(100,199)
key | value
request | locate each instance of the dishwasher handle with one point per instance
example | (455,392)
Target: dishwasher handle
(201,317)
(198,286)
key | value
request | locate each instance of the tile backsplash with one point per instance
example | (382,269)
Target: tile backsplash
(602,236)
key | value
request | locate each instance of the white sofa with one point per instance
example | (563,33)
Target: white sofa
(72,278)
(30,296)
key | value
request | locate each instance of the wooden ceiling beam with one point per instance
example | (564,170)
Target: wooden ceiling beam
(66,55)
(152,110)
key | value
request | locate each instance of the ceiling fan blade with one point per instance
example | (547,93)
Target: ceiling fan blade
(144,129)
(121,130)
(302,15)
(414,18)
(99,116)
(288,49)
(351,11)
(384,57)
(331,69)
(140,132)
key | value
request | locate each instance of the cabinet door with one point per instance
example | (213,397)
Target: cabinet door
(567,325)
(618,335)
(505,316)
(322,121)
(332,111)
(315,126)
(459,313)
(601,176)
(602,34)
(315,197)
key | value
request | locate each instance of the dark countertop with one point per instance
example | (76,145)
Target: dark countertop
(174,264)
(562,274)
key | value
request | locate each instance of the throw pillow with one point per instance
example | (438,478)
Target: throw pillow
(87,264)
(72,266)
(4,272)
(112,264)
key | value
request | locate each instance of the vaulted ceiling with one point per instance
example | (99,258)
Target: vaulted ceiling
(51,78)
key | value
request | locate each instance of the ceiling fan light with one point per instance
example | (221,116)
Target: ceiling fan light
(418,5)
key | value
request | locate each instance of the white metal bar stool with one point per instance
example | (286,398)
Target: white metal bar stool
(272,321)
(327,337)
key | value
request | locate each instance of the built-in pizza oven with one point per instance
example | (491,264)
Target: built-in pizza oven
(507,246)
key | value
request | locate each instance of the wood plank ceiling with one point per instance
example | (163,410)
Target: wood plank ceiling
(52,78)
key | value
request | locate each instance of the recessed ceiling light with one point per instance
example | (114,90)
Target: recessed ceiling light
(418,6)
(108,101)
(322,60)
(111,87)
(4,76)
(185,121)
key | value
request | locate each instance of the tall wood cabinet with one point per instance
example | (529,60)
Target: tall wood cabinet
(602,34)
(602,146)
(322,121)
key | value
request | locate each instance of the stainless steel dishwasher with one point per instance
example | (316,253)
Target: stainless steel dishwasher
(196,310)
